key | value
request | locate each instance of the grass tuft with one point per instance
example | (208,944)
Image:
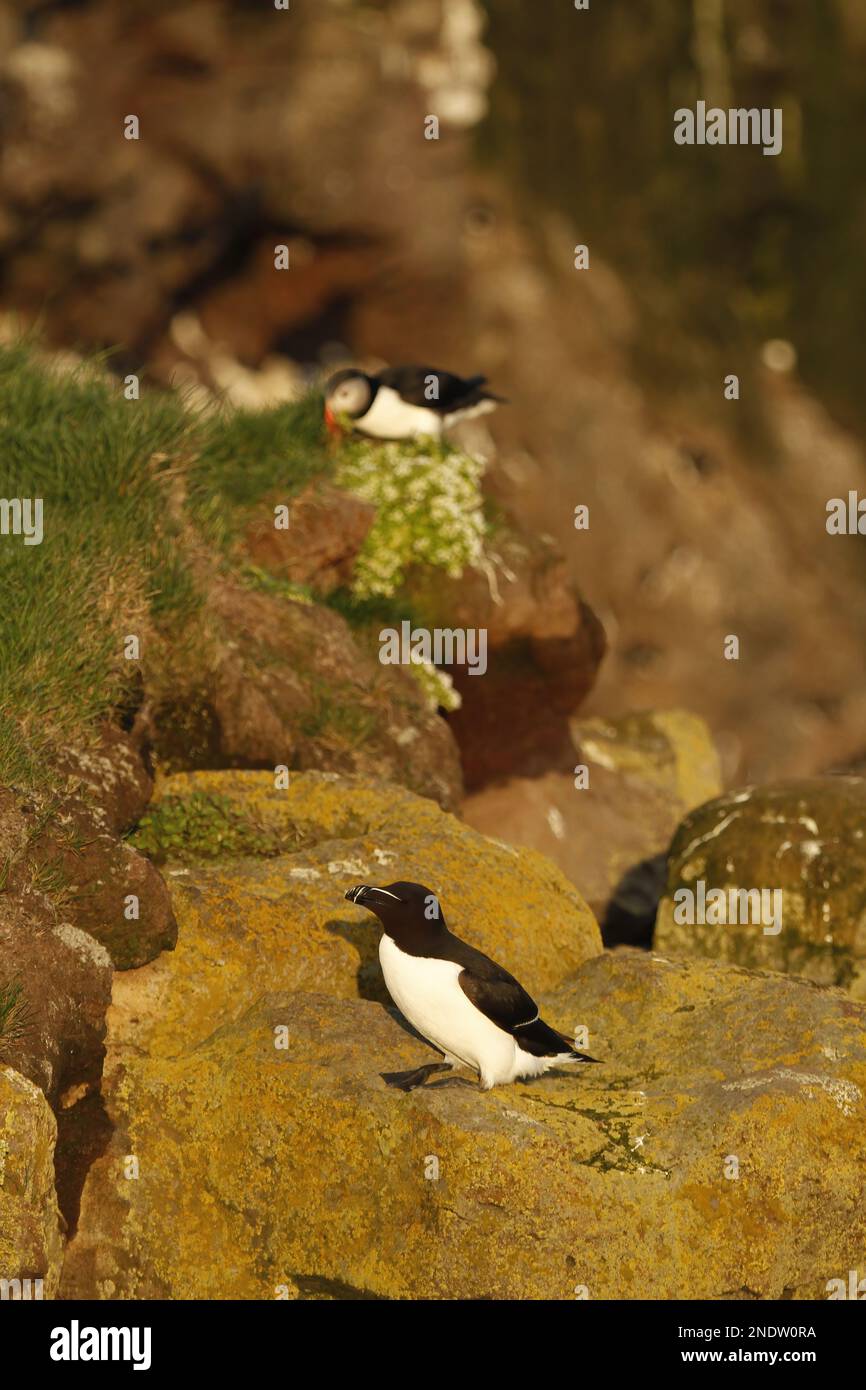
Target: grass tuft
(16,1016)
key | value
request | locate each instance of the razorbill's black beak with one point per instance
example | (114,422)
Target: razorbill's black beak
(356,894)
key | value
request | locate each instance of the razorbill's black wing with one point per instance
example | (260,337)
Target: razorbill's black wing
(503,1000)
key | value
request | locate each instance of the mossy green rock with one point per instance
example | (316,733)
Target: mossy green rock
(805,838)
(669,1171)
(275,916)
(30,1240)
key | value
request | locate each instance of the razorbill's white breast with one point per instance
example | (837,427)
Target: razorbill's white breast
(466,1005)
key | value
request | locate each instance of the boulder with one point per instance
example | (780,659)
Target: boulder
(275,1162)
(327,529)
(272,915)
(111,776)
(63,865)
(544,649)
(287,684)
(64,979)
(30,1224)
(645,771)
(61,974)
(805,840)
(110,891)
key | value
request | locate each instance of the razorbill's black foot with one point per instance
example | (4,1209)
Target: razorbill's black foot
(408,1080)
(404,402)
(466,1005)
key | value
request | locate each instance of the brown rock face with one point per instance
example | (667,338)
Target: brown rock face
(327,529)
(288,685)
(64,977)
(112,776)
(544,649)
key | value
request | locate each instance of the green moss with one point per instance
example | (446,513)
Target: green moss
(245,455)
(206,826)
(254,577)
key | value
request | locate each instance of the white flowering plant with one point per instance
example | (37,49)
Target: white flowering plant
(429,510)
(436,685)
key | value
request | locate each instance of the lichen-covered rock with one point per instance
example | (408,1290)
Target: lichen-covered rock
(802,840)
(30,1239)
(645,771)
(274,1160)
(671,750)
(111,775)
(272,915)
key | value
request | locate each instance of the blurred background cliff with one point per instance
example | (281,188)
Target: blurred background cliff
(260,126)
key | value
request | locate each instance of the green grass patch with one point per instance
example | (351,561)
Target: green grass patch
(130,489)
(245,456)
(16,1016)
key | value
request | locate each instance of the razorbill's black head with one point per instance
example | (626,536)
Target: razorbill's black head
(409,912)
(404,402)
(466,1005)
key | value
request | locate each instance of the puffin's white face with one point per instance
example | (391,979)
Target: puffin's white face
(351,396)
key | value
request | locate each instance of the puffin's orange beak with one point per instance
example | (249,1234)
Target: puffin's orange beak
(331,422)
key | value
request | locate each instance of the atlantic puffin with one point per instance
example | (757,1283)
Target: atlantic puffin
(404,402)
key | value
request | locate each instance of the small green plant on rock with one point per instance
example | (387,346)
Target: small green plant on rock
(199,826)
(16,1016)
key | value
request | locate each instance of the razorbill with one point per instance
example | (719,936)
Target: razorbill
(404,402)
(461,1001)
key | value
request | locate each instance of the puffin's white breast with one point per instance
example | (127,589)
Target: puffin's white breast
(390,417)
